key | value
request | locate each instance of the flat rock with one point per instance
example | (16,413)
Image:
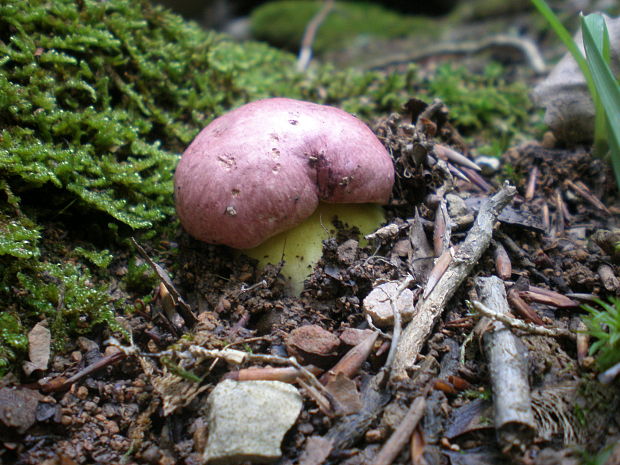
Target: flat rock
(247,420)
(378,304)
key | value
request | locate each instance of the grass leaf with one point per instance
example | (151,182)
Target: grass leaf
(596,40)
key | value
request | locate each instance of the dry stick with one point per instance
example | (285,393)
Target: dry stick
(53,386)
(430,308)
(522,325)
(305,53)
(182,306)
(397,331)
(394,445)
(507,357)
(526,46)
(531,184)
(584,192)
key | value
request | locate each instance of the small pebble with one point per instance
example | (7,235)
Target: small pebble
(488,165)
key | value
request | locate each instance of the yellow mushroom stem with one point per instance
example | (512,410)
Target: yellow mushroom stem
(301,247)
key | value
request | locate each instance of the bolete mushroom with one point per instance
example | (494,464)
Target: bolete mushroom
(267,166)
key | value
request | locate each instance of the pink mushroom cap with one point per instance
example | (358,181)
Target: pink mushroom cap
(263,168)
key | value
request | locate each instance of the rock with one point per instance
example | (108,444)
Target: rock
(18,408)
(313,344)
(247,420)
(460,214)
(378,305)
(565,96)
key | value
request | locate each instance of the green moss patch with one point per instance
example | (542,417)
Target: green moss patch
(282,23)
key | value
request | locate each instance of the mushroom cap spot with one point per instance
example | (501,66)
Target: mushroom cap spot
(327,155)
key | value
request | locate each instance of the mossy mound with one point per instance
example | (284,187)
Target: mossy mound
(96,101)
(97,96)
(282,23)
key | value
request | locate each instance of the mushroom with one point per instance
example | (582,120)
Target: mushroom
(267,166)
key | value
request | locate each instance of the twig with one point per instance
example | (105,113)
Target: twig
(514,418)
(103,362)
(430,308)
(183,307)
(522,325)
(531,184)
(581,189)
(305,52)
(397,441)
(526,46)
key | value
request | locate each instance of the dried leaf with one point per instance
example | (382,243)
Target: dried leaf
(344,392)
(316,451)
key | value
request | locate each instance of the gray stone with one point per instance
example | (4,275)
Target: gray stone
(565,96)
(460,214)
(247,420)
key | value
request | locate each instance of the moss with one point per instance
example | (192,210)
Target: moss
(99,258)
(484,104)
(140,278)
(282,23)
(13,341)
(66,295)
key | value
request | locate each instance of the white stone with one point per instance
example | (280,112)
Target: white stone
(247,420)
(378,304)
(488,165)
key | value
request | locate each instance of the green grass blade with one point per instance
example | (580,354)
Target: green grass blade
(595,24)
(604,80)
(595,38)
(566,39)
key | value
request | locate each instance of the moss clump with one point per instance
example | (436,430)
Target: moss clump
(66,295)
(95,98)
(96,101)
(484,104)
(13,340)
(282,23)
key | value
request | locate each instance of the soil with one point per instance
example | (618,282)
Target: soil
(138,409)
